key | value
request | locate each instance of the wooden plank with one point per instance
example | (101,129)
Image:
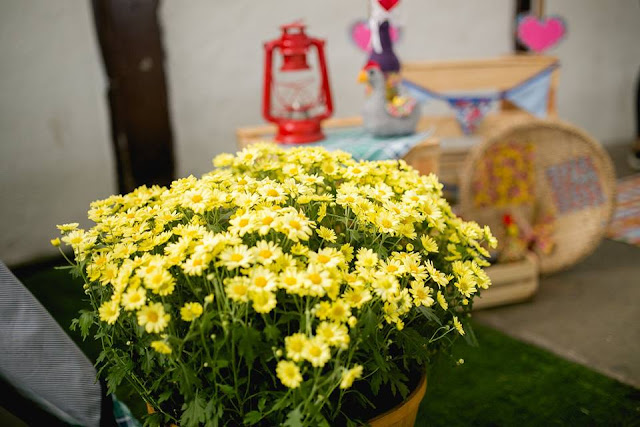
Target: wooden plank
(511,282)
(497,73)
(131,44)
(425,157)
(504,273)
(514,293)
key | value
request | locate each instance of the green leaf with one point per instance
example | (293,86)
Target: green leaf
(213,413)
(147,360)
(469,336)
(294,418)
(252,417)
(375,383)
(153,420)
(249,340)
(370,322)
(102,356)
(194,412)
(272,332)
(164,396)
(429,314)
(226,389)
(116,375)
(219,364)
(84,322)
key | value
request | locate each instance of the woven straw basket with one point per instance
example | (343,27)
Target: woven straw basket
(569,177)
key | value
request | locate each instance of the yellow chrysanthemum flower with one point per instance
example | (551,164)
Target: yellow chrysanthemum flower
(161,347)
(428,243)
(366,258)
(327,234)
(237,288)
(261,278)
(356,297)
(339,311)
(133,299)
(316,352)
(458,325)
(153,318)
(295,226)
(289,374)
(109,312)
(334,334)
(266,252)
(295,345)
(263,300)
(191,311)
(421,294)
(349,376)
(65,228)
(466,285)
(236,256)
(442,301)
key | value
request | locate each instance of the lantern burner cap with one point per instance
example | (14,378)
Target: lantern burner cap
(295,45)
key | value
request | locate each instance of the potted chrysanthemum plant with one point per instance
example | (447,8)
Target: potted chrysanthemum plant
(293,287)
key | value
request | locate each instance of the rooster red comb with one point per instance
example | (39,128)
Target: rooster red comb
(371,64)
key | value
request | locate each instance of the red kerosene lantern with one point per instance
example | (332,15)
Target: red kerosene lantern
(302,97)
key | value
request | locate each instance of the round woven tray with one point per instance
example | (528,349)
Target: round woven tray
(549,173)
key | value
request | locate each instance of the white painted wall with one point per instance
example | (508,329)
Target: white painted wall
(215,56)
(600,66)
(55,156)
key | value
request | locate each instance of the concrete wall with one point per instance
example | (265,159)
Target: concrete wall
(55,154)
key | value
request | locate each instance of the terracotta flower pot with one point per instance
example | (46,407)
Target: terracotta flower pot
(402,415)
(405,413)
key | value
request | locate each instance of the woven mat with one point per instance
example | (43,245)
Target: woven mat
(625,224)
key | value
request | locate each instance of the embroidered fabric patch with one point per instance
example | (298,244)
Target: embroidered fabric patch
(401,106)
(470,112)
(575,184)
(505,175)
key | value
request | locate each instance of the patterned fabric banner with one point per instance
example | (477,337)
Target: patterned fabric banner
(531,95)
(470,112)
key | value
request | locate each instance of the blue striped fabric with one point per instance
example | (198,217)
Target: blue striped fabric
(40,360)
(363,146)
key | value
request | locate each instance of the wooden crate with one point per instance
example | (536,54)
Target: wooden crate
(510,283)
(424,157)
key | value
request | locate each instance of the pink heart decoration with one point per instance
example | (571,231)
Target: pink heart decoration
(361,35)
(388,4)
(540,35)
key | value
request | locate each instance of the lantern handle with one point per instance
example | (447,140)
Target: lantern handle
(268,62)
(319,45)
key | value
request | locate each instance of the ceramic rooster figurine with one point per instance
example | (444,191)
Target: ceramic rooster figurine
(383,117)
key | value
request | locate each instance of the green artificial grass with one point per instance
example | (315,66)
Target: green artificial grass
(502,382)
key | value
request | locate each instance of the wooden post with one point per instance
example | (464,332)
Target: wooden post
(133,56)
(522,6)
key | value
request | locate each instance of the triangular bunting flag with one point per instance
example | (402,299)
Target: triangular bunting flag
(420,94)
(470,112)
(532,95)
